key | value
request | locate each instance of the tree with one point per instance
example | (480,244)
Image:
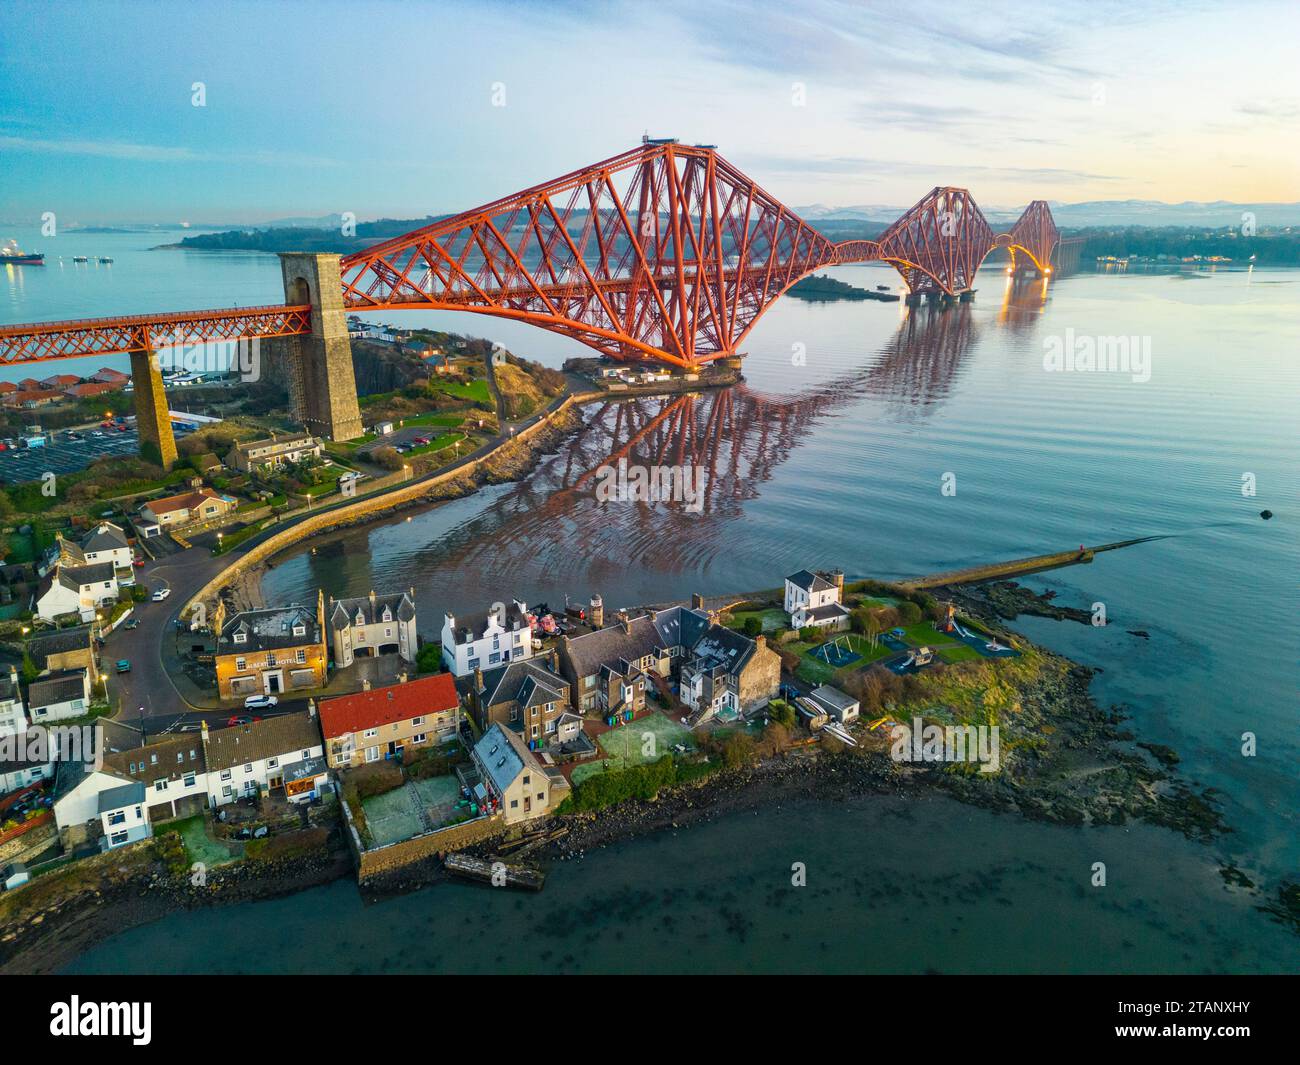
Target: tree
(753,626)
(387,457)
(908,612)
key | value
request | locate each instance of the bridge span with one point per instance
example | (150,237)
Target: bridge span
(664,253)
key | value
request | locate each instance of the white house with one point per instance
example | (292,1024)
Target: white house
(96,804)
(72,589)
(488,639)
(59,696)
(813,600)
(13,716)
(173,772)
(104,543)
(284,752)
(372,625)
(122,815)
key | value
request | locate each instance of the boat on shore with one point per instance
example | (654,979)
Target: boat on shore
(497,874)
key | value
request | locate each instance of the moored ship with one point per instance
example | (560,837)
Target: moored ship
(10,255)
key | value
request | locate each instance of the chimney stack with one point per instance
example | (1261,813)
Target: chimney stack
(401,677)
(553,659)
(365,684)
(626,622)
(760,641)
(697,601)
(596,614)
(478,679)
(203,729)
(311,707)
(837,579)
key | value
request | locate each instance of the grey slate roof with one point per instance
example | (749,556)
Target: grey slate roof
(275,737)
(343,612)
(723,649)
(809,581)
(165,760)
(268,630)
(498,758)
(57,688)
(43,644)
(681,626)
(470,627)
(77,577)
(592,650)
(510,681)
(830,610)
(104,537)
(833,698)
(123,795)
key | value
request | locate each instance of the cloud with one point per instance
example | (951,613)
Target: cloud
(867,167)
(156,153)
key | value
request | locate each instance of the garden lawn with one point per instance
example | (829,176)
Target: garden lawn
(773,619)
(198,844)
(632,736)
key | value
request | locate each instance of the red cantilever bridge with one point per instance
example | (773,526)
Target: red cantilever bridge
(666,253)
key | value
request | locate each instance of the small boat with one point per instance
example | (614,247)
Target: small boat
(498,874)
(80,259)
(882,288)
(106,259)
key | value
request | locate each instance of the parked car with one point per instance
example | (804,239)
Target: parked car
(238,719)
(134,623)
(138,563)
(123,666)
(260,702)
(97,432)
(161,594)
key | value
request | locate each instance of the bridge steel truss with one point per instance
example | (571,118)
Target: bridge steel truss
(665,253)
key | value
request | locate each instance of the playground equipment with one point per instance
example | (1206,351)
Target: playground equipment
(837,652)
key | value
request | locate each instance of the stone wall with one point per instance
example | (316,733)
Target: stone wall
(374,504)
(440,842)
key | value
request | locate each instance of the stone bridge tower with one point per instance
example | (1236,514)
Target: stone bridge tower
(317,369)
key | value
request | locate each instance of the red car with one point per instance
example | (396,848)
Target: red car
(138,563)
(240,719)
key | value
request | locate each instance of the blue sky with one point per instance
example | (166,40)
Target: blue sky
(390,109)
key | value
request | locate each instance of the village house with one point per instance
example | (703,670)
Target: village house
(270,651)
(60,649)
(13,715)
(727,671)
(813,600)
(272,453)
(73,589)
(29,399)
(373,625)
(20,765)
(278,754)
(487,639)
(518,785)
(58,696)
(106,542)
(87,389)
(98,805)
(201,504)
(599,665)
(173,772)
(383,722)
(528,697)
(59,381)
(107,375)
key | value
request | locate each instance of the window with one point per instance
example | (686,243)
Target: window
(300,629)
(372,754)
(534,732)
(227,791)
(153,759)
(241,637)
(117,817)
(514,713)
(494,658)
(418,738)
(388,631)
(225,774)
(248,767)
(271,763)
(270,659)
(417,721)
(117,838)
(160,785)
(473,663)
(180,756)
(550,726)
(370,733)
(241,664)
(514,804)
(189,780)
(300,656)
(527,780)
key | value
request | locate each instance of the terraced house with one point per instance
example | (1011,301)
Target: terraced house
(283,754)
(272,453)
(372,625)
(281,649)
(383,722)
(528,697)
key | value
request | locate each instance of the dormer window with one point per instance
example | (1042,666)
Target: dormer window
(241,637)
(300,629)
(388,614)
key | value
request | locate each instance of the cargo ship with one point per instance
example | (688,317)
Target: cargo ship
(11,256)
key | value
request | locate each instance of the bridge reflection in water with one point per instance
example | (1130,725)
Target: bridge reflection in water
(551,529)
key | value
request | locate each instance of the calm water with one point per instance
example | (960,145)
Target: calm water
(839,461)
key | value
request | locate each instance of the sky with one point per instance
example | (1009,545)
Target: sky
(403,110)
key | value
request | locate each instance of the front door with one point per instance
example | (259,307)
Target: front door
(274,684)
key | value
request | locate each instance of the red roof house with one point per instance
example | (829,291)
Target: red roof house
(383,722)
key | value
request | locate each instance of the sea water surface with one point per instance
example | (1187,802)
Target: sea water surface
(834,452)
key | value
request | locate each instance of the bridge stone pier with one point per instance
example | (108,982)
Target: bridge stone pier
(317,368)
(153,422)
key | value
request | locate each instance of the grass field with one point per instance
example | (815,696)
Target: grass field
(201,847)
(475,391)
(773,619)
(395,815)
(623,746)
